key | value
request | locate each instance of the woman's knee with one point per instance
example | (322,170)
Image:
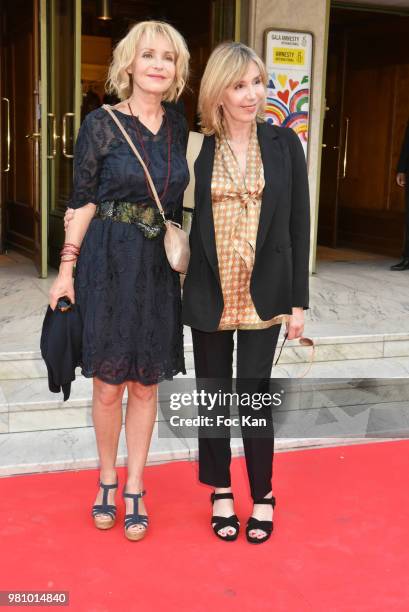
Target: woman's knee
(106,393)
(141,392)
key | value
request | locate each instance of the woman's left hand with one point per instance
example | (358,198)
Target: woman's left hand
(295,326)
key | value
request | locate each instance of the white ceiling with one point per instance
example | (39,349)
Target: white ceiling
(378,3)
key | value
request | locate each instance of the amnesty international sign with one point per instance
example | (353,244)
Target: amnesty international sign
(288,58)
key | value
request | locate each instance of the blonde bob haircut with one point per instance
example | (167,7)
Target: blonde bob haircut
(226,65)
(119,81)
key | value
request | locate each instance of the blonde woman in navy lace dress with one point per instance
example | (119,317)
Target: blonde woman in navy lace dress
(128,295)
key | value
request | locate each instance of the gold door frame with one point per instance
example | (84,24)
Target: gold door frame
(45,7)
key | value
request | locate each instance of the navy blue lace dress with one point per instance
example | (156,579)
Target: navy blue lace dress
(128,296)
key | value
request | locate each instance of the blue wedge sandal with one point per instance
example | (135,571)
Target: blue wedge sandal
(135,518)
(109,510)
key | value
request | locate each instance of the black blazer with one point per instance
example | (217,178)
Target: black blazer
(280,275)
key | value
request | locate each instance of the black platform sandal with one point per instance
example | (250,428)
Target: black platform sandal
(135,518)
(108,509)
(254,523)
(219,522)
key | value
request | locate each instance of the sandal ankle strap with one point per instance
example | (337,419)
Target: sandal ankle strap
(108,486)
(266,500)
(133,495)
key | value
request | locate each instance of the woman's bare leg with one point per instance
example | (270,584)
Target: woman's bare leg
(107,418)
(140,419)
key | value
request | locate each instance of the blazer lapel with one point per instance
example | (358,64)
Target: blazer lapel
(204,211)
(274,176)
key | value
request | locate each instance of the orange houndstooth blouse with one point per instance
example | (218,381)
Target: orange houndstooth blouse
(236,203)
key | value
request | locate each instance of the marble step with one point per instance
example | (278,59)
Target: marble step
(69,449)
(27,405)
(41,433)
(29,364)
(75,449)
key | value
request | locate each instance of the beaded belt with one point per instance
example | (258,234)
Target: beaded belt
(145,216)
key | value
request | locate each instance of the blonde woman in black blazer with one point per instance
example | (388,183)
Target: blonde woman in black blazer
(251,281)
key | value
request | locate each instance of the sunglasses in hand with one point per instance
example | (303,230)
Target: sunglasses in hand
(303,341)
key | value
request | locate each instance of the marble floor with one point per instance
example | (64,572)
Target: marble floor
(358,297)
(348,298)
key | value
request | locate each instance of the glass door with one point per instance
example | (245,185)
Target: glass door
(61,103)
(228,17)
(223,21)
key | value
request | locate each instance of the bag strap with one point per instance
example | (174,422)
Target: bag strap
(135,150)
(194,146)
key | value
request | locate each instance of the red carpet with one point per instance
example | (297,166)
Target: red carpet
(341,540)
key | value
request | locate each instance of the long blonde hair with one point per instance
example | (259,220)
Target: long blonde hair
(226,65)
(119,81)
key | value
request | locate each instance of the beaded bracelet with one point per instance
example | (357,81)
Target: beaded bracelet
(70,250)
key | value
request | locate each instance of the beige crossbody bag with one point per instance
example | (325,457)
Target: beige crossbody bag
(176,240)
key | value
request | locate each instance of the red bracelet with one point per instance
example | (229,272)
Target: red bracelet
(68,247)
(69,251)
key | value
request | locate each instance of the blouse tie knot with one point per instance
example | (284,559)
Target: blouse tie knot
(244,236)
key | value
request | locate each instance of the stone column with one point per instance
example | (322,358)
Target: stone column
(310,16)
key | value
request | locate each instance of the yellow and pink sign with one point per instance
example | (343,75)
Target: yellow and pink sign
(288,58)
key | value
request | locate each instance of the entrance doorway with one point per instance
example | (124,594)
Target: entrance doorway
(202,26)
(367,108)
(20,206)
(55,55)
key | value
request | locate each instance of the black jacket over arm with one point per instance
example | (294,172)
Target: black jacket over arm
(280,275)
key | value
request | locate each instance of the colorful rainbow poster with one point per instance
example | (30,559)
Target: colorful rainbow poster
(288,58)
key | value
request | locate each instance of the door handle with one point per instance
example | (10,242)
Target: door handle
(8,137)
(33,136)
(54,137)
(64,134)
(344,172)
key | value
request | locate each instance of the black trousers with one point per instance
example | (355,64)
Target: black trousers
(213,355)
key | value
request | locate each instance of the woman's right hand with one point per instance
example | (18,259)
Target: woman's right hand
(63,285)
(69,216)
